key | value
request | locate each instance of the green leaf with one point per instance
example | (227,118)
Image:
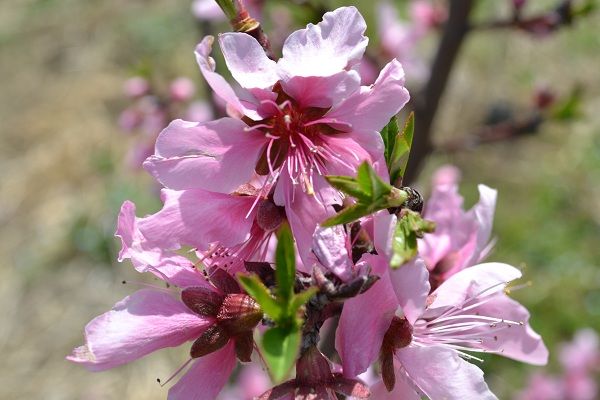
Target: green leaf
(302,298)
(371,192)
(280,347)
(347,185)
(285,265)
(259,292)
(401,151)
(569,108)
(404,244)
(388,134)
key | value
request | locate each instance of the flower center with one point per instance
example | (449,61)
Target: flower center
(296,141)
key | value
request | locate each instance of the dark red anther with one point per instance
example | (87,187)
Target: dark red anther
(202,300)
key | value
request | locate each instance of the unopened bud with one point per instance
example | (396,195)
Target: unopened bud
(239,313)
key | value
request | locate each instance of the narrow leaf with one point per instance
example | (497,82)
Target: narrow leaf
(280,348)
(388,134)
(302,298)
(404,244)
(259,292)
(401,151)
(285,265)
(347,185)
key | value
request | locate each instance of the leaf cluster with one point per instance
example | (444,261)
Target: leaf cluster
(280,343)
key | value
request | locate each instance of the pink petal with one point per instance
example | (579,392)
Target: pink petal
(364,321)
(411,284)
(304,212)
(521,343)
(371,108)
(485,278)
(339,39)
(484,214)
(242,103)
(218,156)
(350,153)
(384,225)
(147,257)
(206,377)
(196,217)
(140,324)
(442,375)
(322,91)
(330,245)
(402,390)
(247,61)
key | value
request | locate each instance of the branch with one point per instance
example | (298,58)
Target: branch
(426,105)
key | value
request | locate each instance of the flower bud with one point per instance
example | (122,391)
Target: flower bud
(312,367)
(239,313)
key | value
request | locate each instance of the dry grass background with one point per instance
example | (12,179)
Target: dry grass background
(62,63)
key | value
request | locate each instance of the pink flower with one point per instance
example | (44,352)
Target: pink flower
(542,387)
(399,39)
(182,89)
(136,87)
(422,338)
(218,225)
(461,238)
(199,111)
(215,314)
(297,120)
(583,353)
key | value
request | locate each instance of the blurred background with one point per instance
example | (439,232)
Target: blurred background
(66,165)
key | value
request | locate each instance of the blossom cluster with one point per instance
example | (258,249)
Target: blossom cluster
(580,362)
(232,186)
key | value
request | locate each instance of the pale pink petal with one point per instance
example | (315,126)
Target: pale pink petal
(241,103)
(304,212)
(442,375)
(411,284)
(484,214)
(402,390)
(583,353)
(371,108)
(455,236)
(147,257)
(219,155)
(330,246)
(206,377)
(364,321)
(519,342)
(197,217)
(384,225)
(207,10)
(351,151)
(140,324)
(485,279)
(247,61)
(322,91)
(339,39)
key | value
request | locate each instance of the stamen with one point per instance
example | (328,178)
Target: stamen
(174,374)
